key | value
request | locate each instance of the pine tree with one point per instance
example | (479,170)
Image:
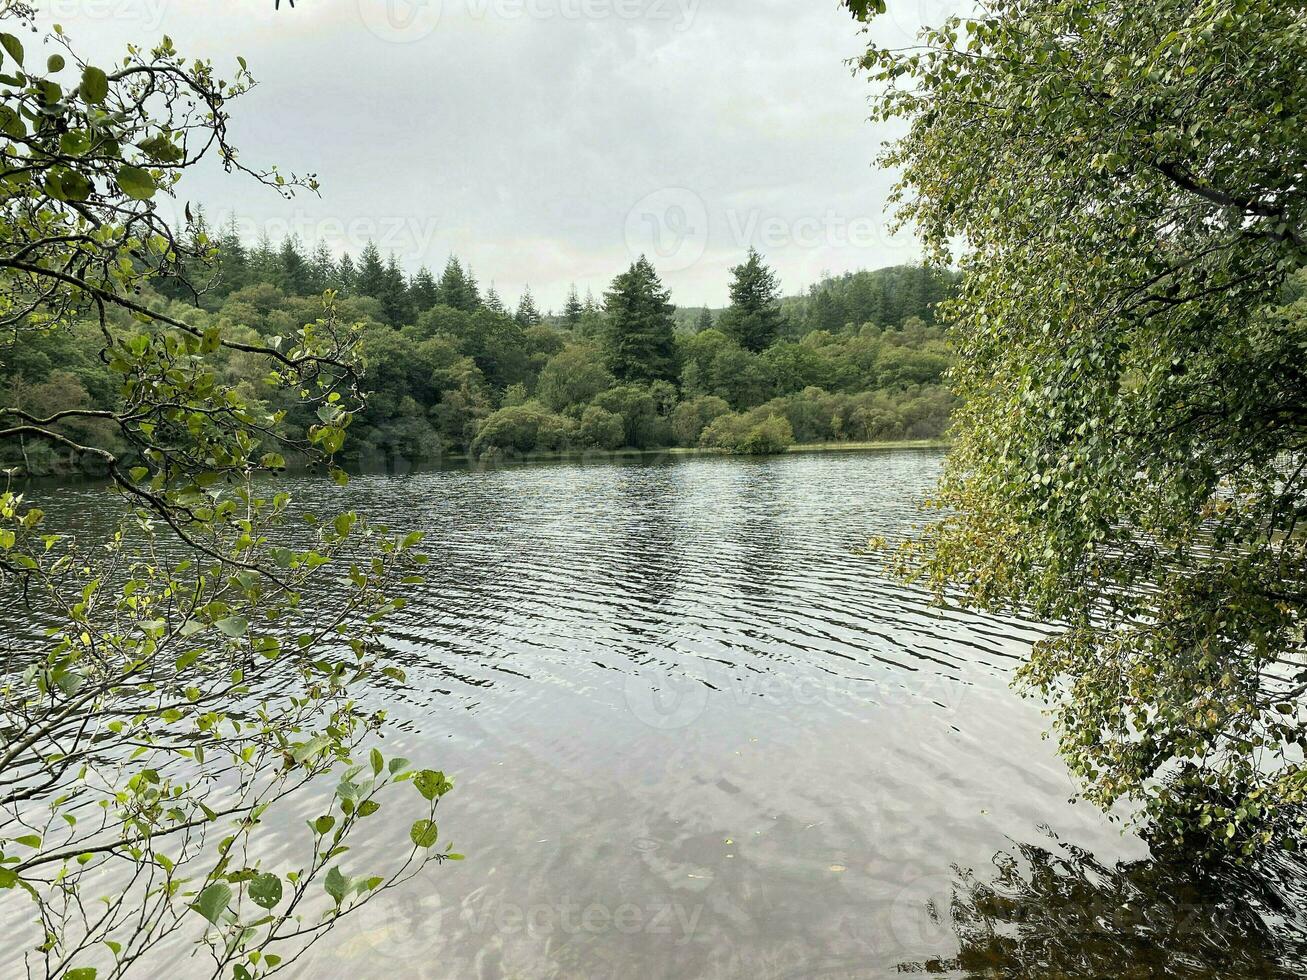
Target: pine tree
(527,315)
(572,309)
(705,321)
(346,274)
(233,271)
(827,311)
(322,269)
(371,277)
(457,288)
(293,274)
(493,303)
(754,318)
(423,290)
(641,342)
(394,296)
(473,291)
(264,261)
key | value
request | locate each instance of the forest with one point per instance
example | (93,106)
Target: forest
(454,370)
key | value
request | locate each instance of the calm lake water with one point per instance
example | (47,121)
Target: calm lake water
(694,735)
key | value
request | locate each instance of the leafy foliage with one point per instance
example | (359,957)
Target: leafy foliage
(193,676)
(1128,180)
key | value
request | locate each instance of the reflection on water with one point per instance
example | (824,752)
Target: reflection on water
(694,736)
(1057,911)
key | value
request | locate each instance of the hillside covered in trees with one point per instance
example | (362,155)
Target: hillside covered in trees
(453,369)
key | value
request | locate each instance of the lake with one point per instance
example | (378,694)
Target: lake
(695,734)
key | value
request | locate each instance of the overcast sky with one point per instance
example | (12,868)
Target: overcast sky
(549,142)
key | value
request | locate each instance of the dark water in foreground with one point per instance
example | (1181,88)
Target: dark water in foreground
(694,736)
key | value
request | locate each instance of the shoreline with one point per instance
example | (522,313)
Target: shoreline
(571,455)
(628,452)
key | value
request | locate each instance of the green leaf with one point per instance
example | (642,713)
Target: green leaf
(81,973)
(213,901)
(54,63)
(423,833)
(136,183)
(324,823)
(432,784)
(13,46)
(377,762)
(336,884)
(233,626)
(265,890)
(29,840)
(95,85)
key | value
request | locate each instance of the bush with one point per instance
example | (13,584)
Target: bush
(689,419)
(523,429)
(573,377)
(642,426)
(601,429)
(748,434)
(772,436)
(724,432)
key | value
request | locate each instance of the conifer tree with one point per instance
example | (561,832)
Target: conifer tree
(493,303)
(233,260)
(293,274)
(322,269)
(371,277)
(754,317)
(394,296)
(641,344)
(264,261)
(423,290)
(705,321)
(346,274)
(458,289)
(527,314)
(572,309)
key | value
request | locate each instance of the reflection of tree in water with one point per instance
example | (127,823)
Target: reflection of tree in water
(1061,913)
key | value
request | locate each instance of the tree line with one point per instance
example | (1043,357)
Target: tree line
(452,369)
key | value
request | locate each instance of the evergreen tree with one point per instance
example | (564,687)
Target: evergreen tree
(293,274)
(346,274)
(705,321)
(233,270)
(423,290)
(641,345)
(264,261)
(371,277)
(473,292)
(754,317)
(827,311)
(322,269)
(527,315)
(394,295)
(572,309)
(493,303)
(458,289)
